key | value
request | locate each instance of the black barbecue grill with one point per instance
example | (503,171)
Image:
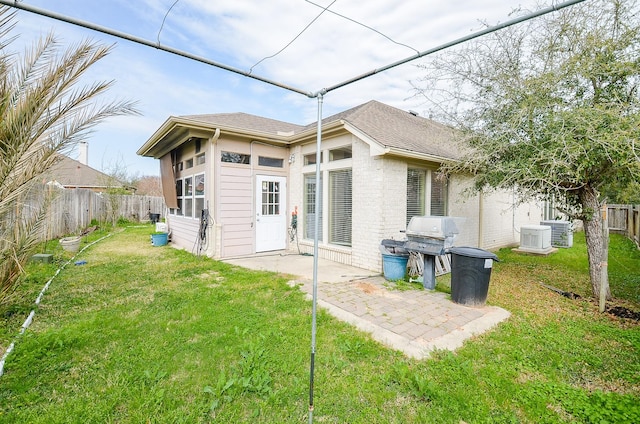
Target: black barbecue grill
(431,236)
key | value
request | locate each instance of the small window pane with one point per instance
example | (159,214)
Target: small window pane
(188,186)
(310,159)
(188,207)
(270,198)
(199,185)
(200,159)
(179,188)
(339,154)
(272,162)
(199,205)
(231,157)
(188,163)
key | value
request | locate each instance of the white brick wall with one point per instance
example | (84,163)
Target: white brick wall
(500,212)
(379,207)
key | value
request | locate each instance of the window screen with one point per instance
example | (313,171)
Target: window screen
(272,162)
(416,179)
(418,192)
(438,194)
(340,200)
(312,205)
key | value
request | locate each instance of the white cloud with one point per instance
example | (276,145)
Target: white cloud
(239,33)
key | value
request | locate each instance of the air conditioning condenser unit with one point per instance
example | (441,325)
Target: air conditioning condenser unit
(561,233)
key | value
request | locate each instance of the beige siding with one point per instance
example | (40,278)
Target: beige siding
(184,231)
(236,211)
(235,193)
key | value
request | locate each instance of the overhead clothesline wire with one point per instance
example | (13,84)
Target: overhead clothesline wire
(324,9)
(165,18)
(365,26)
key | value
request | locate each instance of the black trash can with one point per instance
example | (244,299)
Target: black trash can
(470,275)
(154,217)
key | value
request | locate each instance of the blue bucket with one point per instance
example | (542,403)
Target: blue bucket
(159,239)
(394,266)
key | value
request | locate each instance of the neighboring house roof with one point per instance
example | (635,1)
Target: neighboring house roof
(387,129)
(73,174)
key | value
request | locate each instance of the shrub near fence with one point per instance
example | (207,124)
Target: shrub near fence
(625,219)
(72,210)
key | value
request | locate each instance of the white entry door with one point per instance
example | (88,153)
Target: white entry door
(271,213)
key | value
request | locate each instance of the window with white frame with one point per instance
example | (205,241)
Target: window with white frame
(200,159)
(187,202)
(331,202)
(340,202)
(312,205)
(426,193)
(198,193)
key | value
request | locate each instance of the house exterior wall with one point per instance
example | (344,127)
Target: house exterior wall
(503,217)
(298,169)
(389,195)
(491,220)
(234,193)
(184,229)
(379,202)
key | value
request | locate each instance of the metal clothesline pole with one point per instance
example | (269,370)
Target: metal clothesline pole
(315,257)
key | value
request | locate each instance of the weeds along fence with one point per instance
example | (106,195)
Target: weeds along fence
(625,219)
(72,210)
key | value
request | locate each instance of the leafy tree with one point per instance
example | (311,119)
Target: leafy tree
(550,107)
(44,111)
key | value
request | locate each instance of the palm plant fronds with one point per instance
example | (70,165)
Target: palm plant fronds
(45,110)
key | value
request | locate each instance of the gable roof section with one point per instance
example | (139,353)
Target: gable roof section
(400,132)
(386,129)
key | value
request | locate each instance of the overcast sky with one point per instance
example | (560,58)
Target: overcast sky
(243,34)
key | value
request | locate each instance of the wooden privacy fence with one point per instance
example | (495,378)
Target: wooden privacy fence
(625,219)
(72,210)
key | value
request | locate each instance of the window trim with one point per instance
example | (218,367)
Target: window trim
(307,180)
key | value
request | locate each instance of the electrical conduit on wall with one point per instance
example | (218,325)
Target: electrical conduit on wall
(32,314)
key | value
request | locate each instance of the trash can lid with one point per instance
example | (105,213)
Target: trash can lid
(473,252)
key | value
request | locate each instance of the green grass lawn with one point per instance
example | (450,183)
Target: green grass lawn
(143,334)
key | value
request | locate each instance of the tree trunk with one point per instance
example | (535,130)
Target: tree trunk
(593,226)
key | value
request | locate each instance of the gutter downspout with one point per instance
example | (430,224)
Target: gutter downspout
(216,229)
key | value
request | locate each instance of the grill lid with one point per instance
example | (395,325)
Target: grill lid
(431,226)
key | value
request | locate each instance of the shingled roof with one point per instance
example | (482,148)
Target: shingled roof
(71,173)
(247,122)
(391,129)
(405,131)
